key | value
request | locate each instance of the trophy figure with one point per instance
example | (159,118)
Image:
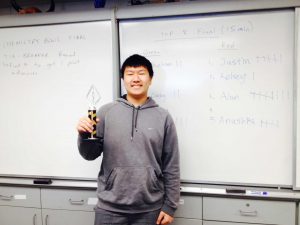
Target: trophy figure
(93,98)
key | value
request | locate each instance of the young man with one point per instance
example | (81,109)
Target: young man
(139,178)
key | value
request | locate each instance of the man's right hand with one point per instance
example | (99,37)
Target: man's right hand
(85,125)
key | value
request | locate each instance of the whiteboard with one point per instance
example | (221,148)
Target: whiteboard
(227,80)
(45,75)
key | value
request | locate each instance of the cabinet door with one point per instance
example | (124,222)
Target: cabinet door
(20,216)
(67,217)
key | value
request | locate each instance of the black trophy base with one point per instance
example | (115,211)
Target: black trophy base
(91,139)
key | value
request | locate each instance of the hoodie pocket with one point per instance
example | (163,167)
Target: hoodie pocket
(132,186)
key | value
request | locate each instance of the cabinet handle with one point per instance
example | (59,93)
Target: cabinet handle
(46,219)
(34,219)
(7,198)
(74,202)
(248,213)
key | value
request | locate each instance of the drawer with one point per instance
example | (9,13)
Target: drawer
(68,199)
(189,207)
(249,211)
(20,196)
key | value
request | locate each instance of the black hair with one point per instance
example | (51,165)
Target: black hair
(135,61)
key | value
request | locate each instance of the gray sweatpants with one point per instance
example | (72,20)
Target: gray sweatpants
(103,217)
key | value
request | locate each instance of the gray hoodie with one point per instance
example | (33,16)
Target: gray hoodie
(140,165)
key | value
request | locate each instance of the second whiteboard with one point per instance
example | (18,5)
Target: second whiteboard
(228,82)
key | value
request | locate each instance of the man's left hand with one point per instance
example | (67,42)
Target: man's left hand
(164,218)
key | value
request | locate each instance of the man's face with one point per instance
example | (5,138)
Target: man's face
(137,81)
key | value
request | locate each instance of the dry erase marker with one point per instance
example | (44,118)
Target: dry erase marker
(262,193)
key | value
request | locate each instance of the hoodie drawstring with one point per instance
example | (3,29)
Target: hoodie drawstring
(134,120)
(132,123)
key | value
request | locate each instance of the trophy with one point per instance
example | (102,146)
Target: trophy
(93,98)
